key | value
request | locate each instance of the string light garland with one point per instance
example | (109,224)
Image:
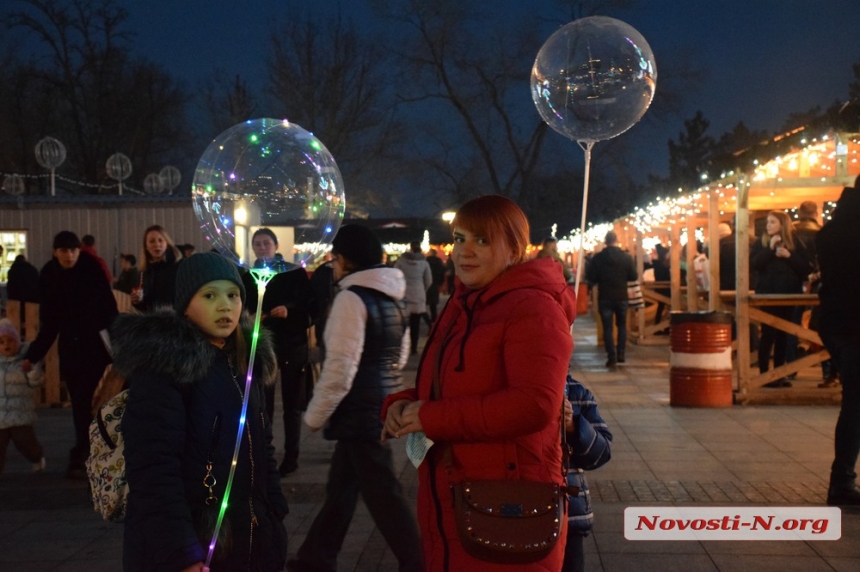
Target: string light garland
(101,186)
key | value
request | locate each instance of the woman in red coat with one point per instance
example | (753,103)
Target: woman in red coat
(501,347)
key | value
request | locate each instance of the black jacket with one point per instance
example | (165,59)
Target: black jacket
(183,412)
(838,246)
(610,270)
(159,285)
(776,275)
(128,280)
(76,304)
(728,263)
(293,290)
(805,231)
(437,270)
(322,286)
(357,416)
(23,281)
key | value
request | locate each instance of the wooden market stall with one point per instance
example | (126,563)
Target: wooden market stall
(816,169)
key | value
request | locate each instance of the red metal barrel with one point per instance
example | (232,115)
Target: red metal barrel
(700,362)
(582,299)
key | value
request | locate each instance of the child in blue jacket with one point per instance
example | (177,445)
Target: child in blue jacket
(589,440)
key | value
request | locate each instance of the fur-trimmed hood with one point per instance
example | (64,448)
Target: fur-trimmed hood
(165,343)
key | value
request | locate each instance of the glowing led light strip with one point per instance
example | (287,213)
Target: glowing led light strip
(262,276)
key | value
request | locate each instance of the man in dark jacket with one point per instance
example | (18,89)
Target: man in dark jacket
(838,247)
(78,306)
(288,310)
(805,228)
(610,270)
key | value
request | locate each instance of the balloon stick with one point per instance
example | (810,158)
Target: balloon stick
(580,262)
(262,276)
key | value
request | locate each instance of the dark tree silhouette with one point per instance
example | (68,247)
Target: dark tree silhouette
(89,92)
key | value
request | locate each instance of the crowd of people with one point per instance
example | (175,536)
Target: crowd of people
(783,260)
(183,353)
(477,411)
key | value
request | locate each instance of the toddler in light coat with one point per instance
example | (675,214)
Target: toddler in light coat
(17,408)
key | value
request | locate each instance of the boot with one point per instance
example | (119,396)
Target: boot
(844,496)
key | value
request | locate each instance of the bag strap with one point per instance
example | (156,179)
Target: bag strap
(100,423)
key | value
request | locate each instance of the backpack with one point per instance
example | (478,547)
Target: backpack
(106,463)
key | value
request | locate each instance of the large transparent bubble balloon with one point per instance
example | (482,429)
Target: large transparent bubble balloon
(268,173)
(594,78)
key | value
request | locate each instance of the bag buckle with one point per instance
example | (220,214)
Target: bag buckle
(511,510)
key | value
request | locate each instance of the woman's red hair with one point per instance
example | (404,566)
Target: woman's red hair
(497,219)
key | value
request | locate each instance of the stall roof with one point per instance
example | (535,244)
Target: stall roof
(817,169)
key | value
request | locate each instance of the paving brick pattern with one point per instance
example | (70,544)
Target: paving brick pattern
(697,492)
(662,455)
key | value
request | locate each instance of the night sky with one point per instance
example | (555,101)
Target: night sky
(764,59)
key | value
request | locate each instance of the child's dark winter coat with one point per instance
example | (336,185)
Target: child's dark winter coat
(590,443)
(185,399)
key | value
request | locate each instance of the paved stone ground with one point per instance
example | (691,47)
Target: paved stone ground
(662,455)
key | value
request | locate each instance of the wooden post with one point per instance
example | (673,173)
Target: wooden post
(714,250)
(675,267)
(14,313)
(742,288)
(692,290)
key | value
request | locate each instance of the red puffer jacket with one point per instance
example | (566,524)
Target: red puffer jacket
(505,355)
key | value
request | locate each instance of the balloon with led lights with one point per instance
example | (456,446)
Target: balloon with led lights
(594,78)
(268,173)
(265,173)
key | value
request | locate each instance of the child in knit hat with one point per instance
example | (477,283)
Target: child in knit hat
(189,398)
(17,409)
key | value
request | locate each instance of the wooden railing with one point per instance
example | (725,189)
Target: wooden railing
(750,379)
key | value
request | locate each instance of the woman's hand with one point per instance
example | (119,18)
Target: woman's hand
(394,419)
(409,420)
(278,312)
(136,295)
(782,252)
(774,240)
(26,366)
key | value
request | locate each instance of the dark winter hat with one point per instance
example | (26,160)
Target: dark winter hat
(198,270)
(66,239)
(359,245)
